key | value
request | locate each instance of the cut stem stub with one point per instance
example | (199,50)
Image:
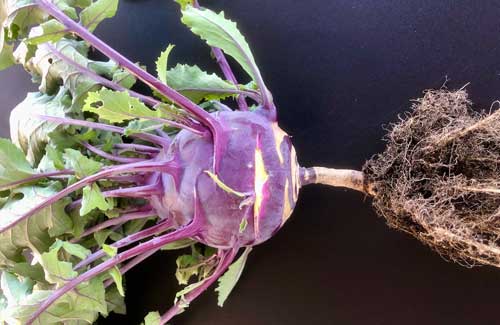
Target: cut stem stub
(347,178)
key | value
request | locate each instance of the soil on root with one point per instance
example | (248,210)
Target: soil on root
(439,177)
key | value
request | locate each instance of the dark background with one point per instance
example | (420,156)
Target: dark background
(339,71)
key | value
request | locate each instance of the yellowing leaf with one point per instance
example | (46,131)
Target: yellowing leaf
(117,106)
(111,251)
(184,3)
(152,318)
(223,186)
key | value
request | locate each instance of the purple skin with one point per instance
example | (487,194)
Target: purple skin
(228,179)
(265,208)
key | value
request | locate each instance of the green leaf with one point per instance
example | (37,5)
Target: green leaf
(152,318)
(83,303)
(81,3)
(13,164)
(184,3)
(116,106)
(179,296)
(141,126)
(179,244)
(124,78)
(6,57)
(26,270)
(56,271)
(220,32)
(101,236)
(49,31)
(115,301)
(67,8)
(228,281)
(195,264)
(15,289)
(198,85)
(55,156)
(111,251)
(243,225)
(71,248)
(117,278)
(76,307)
(82,165)
(99,10)
(161,64)
(186,268)
(94,199)
(31,133)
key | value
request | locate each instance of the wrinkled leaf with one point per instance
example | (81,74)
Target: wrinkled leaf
(18,16)
(51,71)
(31,133)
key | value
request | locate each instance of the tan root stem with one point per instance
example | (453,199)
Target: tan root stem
(347,178)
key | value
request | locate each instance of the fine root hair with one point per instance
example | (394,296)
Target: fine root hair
(439,177)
